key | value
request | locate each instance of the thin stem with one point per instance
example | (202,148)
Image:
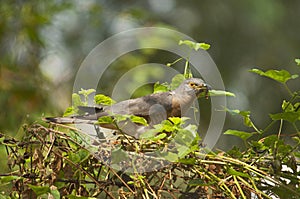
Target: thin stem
(239,187)
(295,126)
(255,128)
(280,128)
(288,89)
(174,62)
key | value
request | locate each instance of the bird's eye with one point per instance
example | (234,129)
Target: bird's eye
(192,84)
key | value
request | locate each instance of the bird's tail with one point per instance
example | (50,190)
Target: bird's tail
(69,120)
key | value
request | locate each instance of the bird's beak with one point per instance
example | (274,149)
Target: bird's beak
(205,88)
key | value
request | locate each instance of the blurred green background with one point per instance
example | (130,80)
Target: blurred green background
(44,42)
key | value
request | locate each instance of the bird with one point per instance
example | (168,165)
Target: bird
(154,108)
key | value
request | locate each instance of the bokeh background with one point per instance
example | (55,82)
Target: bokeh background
(43,43)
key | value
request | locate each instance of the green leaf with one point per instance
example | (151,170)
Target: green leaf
(79,156)
(150,134)
(258,146)
(172,157)
(103,100)
(158,88)
(5,179)
(76,100)
(176,81)
(70,111)
(118,155)
(281,76)
(105,120)
(190,161)
(2,139)
(221,93)
(71,196)
(119,118)
(297,61)
(183,151)
(197,182)
(288,116)
(159,137)
(165,125)
(139,120)
(231,171)
(55,193)
(194,45)
(233,111)
(244,114)
(176,120)
(40,190)
(86,92)
(241,134)
(287,106)
(184,137)
(203,46)
(271,140)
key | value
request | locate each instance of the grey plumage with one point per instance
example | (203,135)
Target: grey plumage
(154,108)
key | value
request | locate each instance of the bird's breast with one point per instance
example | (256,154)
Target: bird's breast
(180,105)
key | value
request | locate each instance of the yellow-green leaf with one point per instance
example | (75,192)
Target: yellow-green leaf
(194,45)
(139,120)
(105,120)
(241,134)
(297,61)
(281,76)
(103,100)
(221,93)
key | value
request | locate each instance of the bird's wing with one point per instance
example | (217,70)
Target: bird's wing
(90,109)
(142,106)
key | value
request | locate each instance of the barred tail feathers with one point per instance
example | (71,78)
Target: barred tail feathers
(69,120)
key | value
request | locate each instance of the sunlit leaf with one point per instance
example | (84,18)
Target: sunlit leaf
(203,46)
(103,100)
(287,106)
(281,76)
(139,120)
(194,45)
(5,179)
(105,120)
(297,61)
(221,93)
(183,151)
(70,111)
(175,120)
(159,137)
(160,88)
(241,134)
(165,125)
(76,100)
(86,92)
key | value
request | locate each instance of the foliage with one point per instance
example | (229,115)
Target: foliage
(168,161)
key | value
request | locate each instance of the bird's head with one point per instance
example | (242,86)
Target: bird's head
(194,86)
